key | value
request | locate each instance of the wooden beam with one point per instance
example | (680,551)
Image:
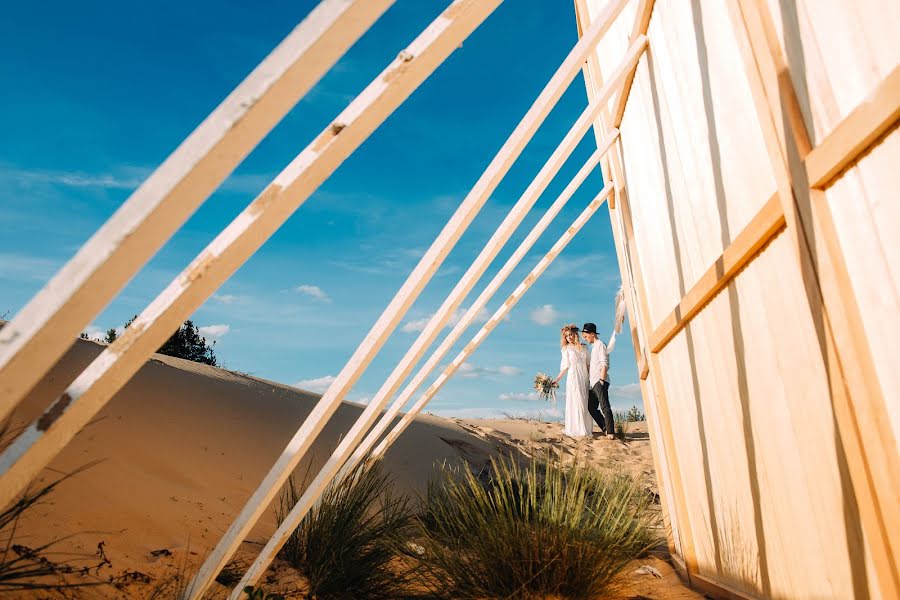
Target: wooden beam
(49,324)
(668,472)
(43,439)
(875,116)
(641,24)
(495,320)
(856,399)
(338,464)
(764,226)
(429,263)
(643,366)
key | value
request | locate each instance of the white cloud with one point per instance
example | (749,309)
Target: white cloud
(214,331)
(313,291)
(628,392)
(94,332)
(508,370)
(419,324)
(519,396)
(230,299)
(318,385)
(545,315)
(470,370)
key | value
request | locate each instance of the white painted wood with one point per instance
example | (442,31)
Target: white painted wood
(495,319)
(116,364)
(335,467)
(48,325)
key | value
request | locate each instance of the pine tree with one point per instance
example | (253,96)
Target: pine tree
(187,343)
(111,335)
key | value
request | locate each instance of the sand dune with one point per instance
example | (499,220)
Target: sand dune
(183,446)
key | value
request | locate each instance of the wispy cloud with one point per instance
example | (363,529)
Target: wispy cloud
(313,291)
(519,396)
(23,267)
(471,371)
(545,315)
(628,392)
(419,324)
(318,385)
(229,299)
(214,332)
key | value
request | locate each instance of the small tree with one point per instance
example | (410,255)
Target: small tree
(187,343)
(111,335)
(635,414)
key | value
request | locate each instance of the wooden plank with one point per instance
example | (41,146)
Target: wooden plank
(511,149)
(50,323)
(850,139)
(871,459)
(641,23)
(643,366)
(117,363)
(764,226)
(638,306)
(335,462)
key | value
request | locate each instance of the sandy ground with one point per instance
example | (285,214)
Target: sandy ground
(183,446)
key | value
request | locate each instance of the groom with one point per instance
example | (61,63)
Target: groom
(598,396)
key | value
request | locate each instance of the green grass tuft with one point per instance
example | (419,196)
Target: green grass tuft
(532,532)
(350,545)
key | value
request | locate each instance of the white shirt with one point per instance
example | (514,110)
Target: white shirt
(599,359)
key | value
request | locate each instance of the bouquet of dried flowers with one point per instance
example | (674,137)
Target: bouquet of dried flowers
(545,386)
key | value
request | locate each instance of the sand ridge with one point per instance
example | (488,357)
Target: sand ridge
(182,446)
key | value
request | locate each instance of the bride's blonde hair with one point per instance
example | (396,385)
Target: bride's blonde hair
(563,342)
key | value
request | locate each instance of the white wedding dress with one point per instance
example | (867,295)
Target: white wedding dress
(578,420)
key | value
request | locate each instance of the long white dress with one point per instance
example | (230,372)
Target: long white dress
(578,420)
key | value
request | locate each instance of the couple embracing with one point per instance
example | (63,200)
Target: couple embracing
(587,384)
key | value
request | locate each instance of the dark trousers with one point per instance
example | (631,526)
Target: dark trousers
(598,406)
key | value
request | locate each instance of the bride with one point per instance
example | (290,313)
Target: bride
(575,361)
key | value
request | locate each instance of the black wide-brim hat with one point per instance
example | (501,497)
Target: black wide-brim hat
(589,328)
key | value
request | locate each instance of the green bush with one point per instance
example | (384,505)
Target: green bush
(351,544)
(532,532)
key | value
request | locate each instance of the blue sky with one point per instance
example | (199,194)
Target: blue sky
(97,94)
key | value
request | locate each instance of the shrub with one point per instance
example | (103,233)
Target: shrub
(187,343)
(532,532)
(621,422)
(350,545)
(635,414)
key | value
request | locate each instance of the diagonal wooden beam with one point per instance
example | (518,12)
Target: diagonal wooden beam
(338,463)
(407,294)
(38,444)
(41,332)
(877,115)
(764,226)
(495,319)
(641,24)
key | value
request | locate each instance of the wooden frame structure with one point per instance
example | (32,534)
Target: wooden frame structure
(673,317)
(801,210)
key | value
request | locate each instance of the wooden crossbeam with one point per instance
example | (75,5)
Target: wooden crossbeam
(47,326)
(338,464)
(495,319)
(117,363)
(407,294)
(764,226)
(641,24)
(854,135)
